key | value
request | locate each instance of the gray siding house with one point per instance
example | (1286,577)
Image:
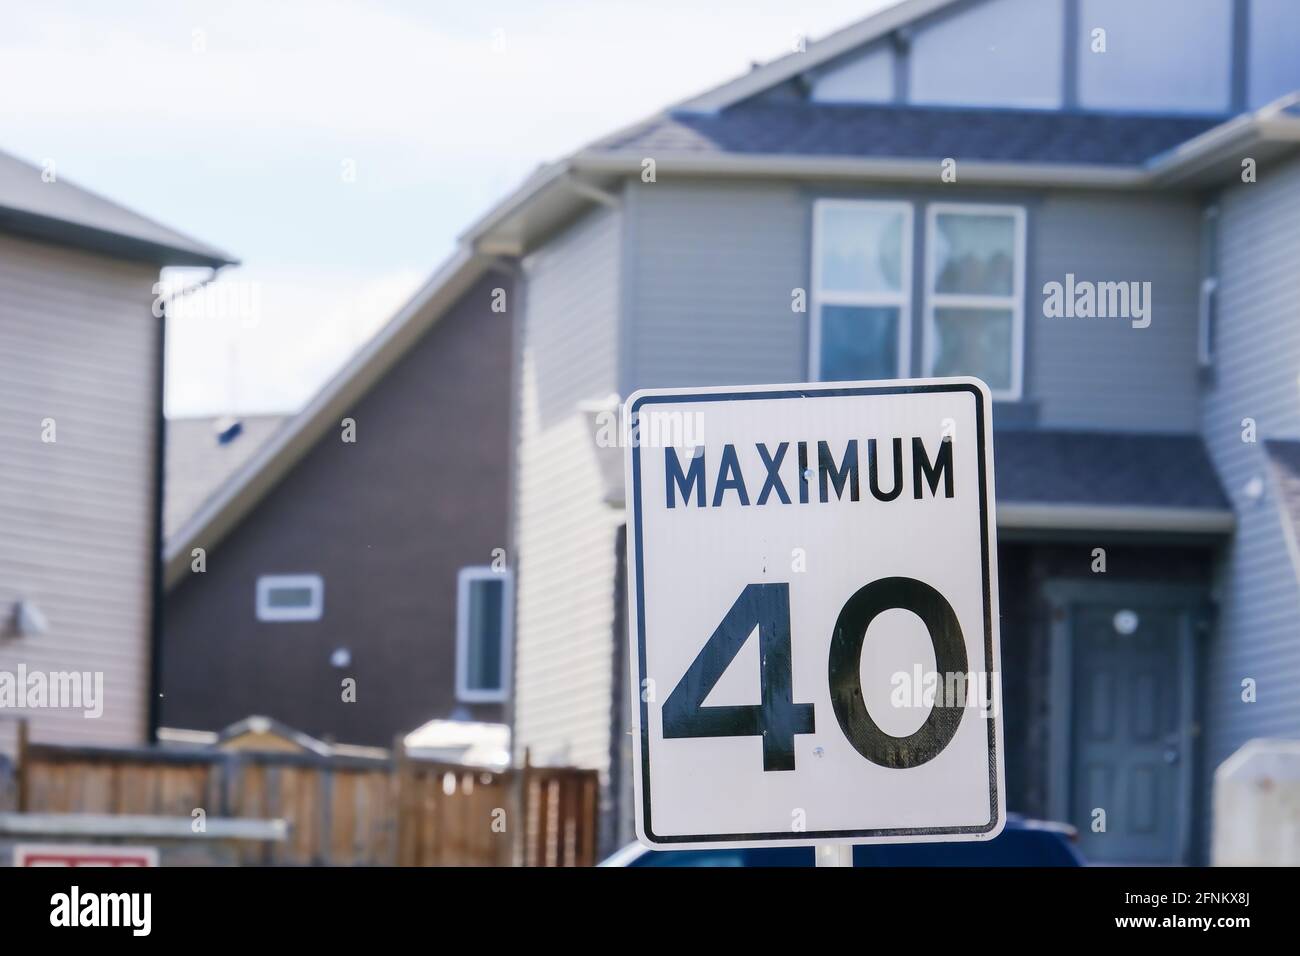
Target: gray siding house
(81,389)
(361,540)
(921,194)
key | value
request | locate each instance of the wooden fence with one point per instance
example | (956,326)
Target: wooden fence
(341,810)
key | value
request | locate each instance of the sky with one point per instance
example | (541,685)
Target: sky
(338,148)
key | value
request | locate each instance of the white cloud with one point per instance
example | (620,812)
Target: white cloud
(241,144)
(306,325)
(424,76)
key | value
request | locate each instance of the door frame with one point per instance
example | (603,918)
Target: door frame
(1062,596)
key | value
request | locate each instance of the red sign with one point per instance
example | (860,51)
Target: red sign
(63,854)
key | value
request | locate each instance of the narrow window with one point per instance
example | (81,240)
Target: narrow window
(290,597)
(483,614)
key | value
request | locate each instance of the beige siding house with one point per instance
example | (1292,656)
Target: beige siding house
(80,408)
(566,533)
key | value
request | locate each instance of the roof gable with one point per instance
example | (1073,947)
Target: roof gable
(1094,55)
(837,44)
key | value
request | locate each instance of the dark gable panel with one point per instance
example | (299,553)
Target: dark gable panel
(387,522)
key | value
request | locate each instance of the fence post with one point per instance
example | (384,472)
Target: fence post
(24,760)
(590,802)
(403,854)
(325,816)
(521,810)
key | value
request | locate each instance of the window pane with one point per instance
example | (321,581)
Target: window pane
(289,597)
(975,255)
(486,600)
(861,249)
(859,342)
(974,342)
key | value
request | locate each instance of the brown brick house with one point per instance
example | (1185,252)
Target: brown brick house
(361,539)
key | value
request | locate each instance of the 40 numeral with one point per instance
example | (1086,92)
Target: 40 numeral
(777,719)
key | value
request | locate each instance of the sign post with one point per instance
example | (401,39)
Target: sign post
(813,615)
(832,854)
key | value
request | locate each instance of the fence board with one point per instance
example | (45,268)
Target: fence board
(353,811)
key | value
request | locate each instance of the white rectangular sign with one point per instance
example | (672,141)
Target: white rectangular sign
(813,591)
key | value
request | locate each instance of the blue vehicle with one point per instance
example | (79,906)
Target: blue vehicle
(1022,843)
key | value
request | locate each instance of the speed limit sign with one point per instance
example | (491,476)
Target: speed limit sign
(813,614)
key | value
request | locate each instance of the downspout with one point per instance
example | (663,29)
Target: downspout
(156,584)
(513,268)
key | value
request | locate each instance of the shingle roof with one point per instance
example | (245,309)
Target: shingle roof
(1105,469)
(62,212)
(198,464)
(908,132)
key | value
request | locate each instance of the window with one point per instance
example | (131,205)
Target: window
(862,289)
(483,613)
(975,282)
(290,597)
(1209,305)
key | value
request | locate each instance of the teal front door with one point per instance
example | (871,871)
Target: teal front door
(1128,769)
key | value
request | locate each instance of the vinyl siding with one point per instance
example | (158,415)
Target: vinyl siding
(564,533)
(1103,373)
(78,344)
(1255,376)
(712,269)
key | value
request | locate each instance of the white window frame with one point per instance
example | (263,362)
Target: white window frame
(464,580)
(901,299)
(1015,301)
(266,583)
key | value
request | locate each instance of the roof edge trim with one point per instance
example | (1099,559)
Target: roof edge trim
(842,167)
(1080,517)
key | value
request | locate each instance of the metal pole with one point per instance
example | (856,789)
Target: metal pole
(834,854)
